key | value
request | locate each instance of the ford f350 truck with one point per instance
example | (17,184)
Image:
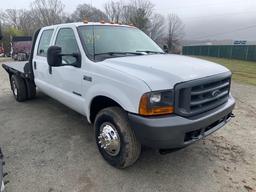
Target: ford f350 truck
(127,86)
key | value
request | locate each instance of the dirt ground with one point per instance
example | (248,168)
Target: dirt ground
(50,148)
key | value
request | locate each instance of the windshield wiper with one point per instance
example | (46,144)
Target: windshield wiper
(119,53)
(148,51)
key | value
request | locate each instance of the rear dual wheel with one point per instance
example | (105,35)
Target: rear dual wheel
(21,89)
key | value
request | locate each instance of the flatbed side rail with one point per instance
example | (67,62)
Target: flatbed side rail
(12,71)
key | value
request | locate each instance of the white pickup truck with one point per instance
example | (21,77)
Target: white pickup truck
(133,92)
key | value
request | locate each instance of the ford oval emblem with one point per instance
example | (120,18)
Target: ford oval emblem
(215,93)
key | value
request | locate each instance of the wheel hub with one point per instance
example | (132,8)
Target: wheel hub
(109,139)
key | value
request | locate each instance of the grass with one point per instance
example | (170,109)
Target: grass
(243,71)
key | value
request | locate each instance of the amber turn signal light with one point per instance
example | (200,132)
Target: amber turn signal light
(146,109)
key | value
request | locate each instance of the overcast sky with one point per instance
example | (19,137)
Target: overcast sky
(203,19)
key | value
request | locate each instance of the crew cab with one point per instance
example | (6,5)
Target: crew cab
(133,92)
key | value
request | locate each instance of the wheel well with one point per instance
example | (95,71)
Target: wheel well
(99,103)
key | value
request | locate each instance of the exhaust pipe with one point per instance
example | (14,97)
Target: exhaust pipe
(167,151)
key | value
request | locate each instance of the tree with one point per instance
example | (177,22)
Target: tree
(175,31)
(11,17)
(157,28)
(18,18)
(47,12)
(8,33)
(113,11)
(89,13)
(138,13)
(28,23)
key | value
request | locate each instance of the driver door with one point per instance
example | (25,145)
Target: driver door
(67,79)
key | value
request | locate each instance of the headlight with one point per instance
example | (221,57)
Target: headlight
(156,103)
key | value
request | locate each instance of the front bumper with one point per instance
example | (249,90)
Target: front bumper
(173,131)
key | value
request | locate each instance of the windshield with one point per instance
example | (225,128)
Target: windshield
(114,41)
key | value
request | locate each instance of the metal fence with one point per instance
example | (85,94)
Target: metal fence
(242,52)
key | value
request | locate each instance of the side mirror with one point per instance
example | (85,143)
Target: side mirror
(54,56)
(166,48)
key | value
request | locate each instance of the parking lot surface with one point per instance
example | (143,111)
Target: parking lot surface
(50,148)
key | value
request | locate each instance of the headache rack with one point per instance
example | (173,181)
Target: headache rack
(197,96)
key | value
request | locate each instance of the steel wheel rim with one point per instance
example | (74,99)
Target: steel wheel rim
(109,139)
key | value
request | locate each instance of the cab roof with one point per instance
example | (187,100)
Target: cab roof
(78,24)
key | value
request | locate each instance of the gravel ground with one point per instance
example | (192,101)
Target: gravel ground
(50,148)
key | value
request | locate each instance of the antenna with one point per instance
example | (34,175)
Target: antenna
(93,35)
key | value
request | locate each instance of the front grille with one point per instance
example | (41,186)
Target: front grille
(197,96)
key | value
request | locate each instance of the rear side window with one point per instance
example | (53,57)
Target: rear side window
(44,42)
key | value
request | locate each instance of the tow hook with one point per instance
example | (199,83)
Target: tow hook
(230,117)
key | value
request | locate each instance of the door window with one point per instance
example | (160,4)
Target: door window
(44,42)
(67,41)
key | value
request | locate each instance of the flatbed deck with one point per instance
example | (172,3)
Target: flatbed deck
(21,69)
(17,65)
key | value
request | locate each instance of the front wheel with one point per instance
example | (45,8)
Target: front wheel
(115,138)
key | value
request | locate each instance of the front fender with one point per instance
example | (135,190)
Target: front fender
(128,100)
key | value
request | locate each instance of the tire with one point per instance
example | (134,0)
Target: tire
(129,147)
(19,88)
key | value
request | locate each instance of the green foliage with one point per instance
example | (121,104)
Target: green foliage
(8,32)
(243,71)
(12,31)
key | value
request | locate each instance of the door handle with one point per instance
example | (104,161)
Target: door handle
(35,65)
(87,78)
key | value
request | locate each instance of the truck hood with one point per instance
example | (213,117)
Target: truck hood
(164,71)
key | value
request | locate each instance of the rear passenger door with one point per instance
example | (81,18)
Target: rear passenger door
(40,64)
